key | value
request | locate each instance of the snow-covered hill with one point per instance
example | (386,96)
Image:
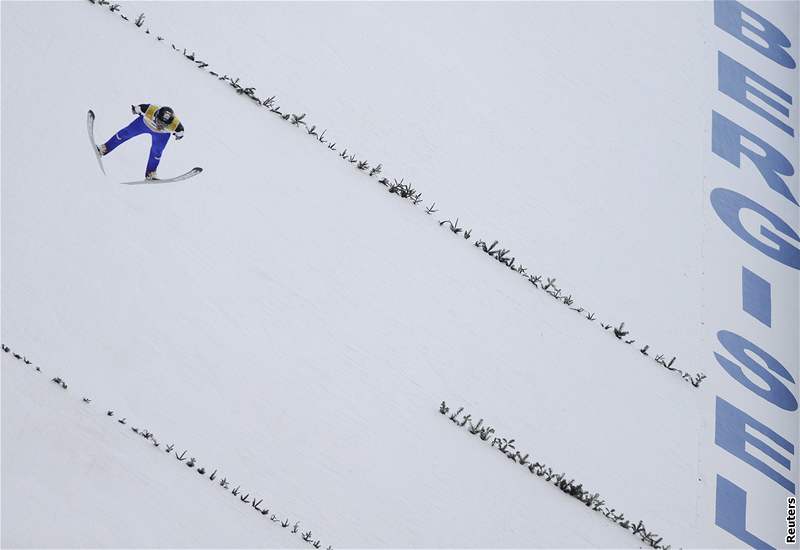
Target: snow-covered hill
(287,321)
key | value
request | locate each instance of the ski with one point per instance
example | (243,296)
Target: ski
(90,128)
(191,173)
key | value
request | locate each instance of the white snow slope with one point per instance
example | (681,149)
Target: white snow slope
(290,323)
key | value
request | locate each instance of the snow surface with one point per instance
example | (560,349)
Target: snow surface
(291,323)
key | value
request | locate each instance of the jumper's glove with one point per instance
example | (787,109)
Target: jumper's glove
(178,136)
(133,109)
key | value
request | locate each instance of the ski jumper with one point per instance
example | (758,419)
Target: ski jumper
(146,123)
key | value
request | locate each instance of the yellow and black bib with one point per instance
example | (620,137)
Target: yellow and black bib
(150,119)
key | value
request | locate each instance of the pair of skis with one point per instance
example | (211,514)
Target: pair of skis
(90,127)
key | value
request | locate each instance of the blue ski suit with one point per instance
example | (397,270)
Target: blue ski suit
(146,123)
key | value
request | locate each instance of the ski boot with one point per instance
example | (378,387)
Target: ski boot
(150,176)
(102,149)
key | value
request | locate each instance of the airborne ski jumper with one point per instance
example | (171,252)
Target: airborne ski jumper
(157,121)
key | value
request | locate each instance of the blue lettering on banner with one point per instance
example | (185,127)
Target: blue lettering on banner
(728,204)
(732,513)
(777,394)
(750,365)
(726,141)
(735,82)
(728,17)
(731,434)
(756,297)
